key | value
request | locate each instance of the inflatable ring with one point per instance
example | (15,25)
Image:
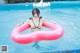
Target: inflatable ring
(55,33)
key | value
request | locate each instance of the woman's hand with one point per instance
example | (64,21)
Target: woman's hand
(19,24)
(52,21)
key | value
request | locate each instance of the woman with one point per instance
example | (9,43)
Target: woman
(35,22)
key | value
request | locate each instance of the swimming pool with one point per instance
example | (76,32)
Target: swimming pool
(67,14)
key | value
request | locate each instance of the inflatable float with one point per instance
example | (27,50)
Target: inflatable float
(55,33)
(41,4)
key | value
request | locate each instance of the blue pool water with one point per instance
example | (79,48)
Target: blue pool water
(67,17)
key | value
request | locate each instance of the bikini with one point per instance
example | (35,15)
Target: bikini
(34,23)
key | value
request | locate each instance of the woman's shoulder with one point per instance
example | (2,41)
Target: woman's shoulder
(43,19)
(40,17)
(28,20)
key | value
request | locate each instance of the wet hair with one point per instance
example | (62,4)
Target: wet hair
(36,10)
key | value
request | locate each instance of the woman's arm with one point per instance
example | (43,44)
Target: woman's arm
(19,24)
(44,20)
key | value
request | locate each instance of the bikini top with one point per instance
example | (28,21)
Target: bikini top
(34,23)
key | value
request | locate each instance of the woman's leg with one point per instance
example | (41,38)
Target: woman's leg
(36,45)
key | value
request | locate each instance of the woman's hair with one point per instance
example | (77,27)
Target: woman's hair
(35,10)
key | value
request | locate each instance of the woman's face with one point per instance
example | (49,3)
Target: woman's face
(35,14)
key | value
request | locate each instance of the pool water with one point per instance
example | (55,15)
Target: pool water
(68,18)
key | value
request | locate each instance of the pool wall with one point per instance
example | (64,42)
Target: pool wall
(58,4)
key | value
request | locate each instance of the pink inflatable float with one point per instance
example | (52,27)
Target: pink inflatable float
(55,33)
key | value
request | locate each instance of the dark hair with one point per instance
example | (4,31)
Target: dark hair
(37,11)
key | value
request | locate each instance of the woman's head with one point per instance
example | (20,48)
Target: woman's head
(35,12)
